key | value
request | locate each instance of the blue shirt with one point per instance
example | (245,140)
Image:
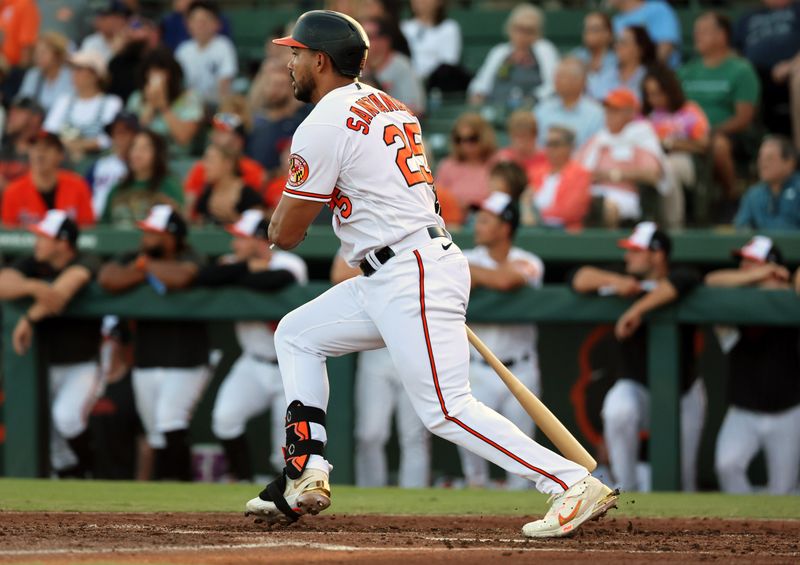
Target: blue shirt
(760,209)
(174,30)
(270,137)
(603,80)
(767,37)
(660,21)
(585,118)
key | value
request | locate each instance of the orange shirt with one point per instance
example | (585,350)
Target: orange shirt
(19,26)
(23,205)
(253,175)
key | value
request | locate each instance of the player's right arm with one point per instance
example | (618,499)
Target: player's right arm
(290,221)
(14,285)
(732,278)
(119,276)
(591,279)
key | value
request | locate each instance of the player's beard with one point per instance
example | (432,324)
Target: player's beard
(302,90)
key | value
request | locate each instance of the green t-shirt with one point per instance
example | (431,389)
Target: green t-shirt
(127,205)
(188,107)
(718,89)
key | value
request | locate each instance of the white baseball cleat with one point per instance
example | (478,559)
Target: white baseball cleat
(309,494)
(585,500)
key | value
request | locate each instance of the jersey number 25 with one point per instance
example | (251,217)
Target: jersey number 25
(410,147)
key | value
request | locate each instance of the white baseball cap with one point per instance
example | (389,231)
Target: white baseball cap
(56,224)
(251,224)
(163,219)
(760,249)
(90,59)
(647,237)
(502,205)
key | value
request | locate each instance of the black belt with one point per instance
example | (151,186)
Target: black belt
(507,362)
(383,254)
(262,359)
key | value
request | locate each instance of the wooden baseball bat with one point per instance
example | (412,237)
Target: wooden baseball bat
(541,414)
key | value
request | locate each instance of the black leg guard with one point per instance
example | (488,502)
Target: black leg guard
(178,456)
(82,448)
(237,453)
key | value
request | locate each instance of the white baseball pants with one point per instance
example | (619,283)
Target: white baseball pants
(626,412)
(743,434)
(491,391)
(73,391)
(166,397)
(379,394)
(415,305)
(250,388)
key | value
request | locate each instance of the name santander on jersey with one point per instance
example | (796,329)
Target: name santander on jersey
(361,151)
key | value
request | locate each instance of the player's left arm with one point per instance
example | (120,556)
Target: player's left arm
(503,278)
(290,221)
(175,275)
(668,290)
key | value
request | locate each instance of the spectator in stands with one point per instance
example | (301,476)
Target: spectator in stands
(110,169)
(726,87)
(19,28)
(522,148)
(769,37)
(660,21)
(138,41)
(763,389)
(389,12)
(635,53)
(228,132)
(209,59)
(52,277)
(622,156)
(253,384)
(598,54)
(45,187)
(774,202)
(146,184)
(559,194)
(110,23)
(277,120)
(169,375)
(70,18)
(80,118)
(570,107)
(651,281)
(174,30)
(509,178)
(519,73)
(226,196)
(164,105)
(392,71)
(433,38)
(50,76)
(465,172)
(24,123)
(683,130)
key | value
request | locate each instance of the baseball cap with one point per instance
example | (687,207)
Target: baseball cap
(646,236)
(164,219)
(228,121)
(27,103)
(251,224)
(48,137)
(56,224)
(621,98)
(115,8)
(760,249)
(502,205)
(128,119)
(90,59)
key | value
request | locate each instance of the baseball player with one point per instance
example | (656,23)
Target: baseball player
(254,382)
(360,152)
(626,407)
(764,382)
(496,264)
(170,359)
(376,377)
(52,277)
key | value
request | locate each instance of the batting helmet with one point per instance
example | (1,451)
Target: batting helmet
(337,35)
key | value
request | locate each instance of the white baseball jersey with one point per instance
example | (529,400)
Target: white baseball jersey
(361,150)
(509,341)
(257,338)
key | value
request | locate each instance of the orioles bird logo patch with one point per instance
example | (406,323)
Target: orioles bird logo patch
(298,170)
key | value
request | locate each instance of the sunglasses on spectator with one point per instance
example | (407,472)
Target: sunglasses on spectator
(467,139)
(595,28)
(554,143)
(524,29)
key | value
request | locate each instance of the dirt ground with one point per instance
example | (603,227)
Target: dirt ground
(229,538)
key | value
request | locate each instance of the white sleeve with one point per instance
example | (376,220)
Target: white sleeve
(28,88)
(530,267)
(450,42)
(229,65)
(315,162)
(483,82)
(113,105)
(547,56)
(55,117)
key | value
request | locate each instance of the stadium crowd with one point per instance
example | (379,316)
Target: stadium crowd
(115,116)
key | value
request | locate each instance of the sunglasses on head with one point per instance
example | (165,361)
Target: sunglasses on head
(467,139)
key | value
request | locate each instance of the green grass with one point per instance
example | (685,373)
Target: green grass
(103,496)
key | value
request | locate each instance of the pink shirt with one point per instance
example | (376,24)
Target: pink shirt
(468,182)
(690,122)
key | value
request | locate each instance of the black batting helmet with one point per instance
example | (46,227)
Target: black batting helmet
(337,35)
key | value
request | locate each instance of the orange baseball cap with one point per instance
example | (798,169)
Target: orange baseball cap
(621,99)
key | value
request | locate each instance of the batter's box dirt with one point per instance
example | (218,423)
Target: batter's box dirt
(230,538)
